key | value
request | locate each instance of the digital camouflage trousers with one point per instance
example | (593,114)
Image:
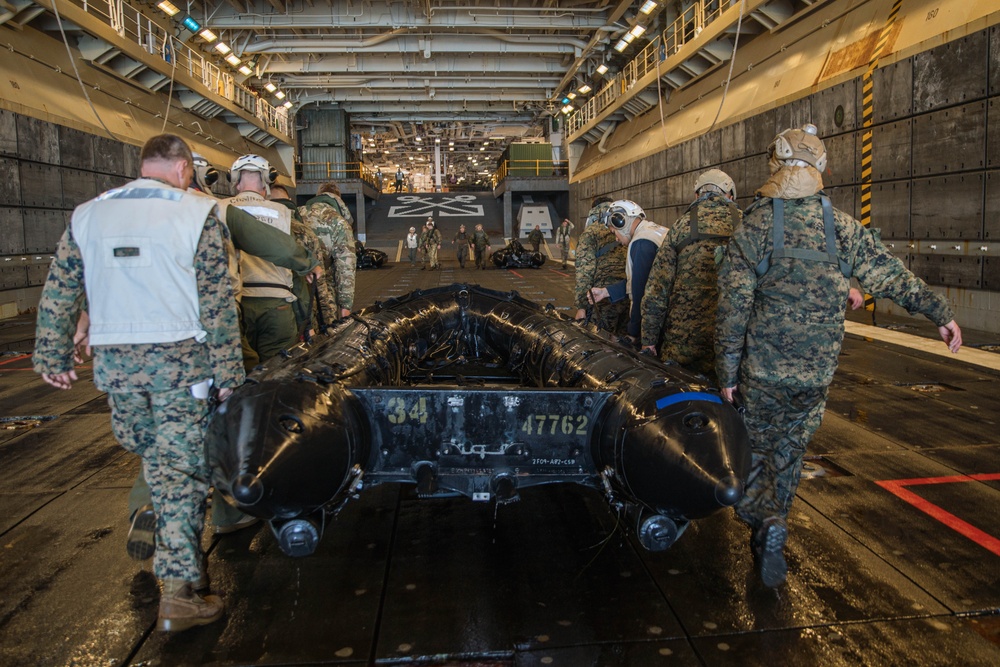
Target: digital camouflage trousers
(167,429)
(780,421)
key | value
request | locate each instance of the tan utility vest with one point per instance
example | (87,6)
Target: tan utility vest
(260,277)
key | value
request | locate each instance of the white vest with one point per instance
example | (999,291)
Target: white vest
(650,231)
(260,277)
(138,244)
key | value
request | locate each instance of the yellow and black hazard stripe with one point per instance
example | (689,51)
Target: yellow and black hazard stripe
(867,116)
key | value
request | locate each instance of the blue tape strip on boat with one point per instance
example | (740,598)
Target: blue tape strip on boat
(687,396)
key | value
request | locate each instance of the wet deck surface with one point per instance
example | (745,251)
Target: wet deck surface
(875,578)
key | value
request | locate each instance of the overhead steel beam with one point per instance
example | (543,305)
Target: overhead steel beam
(494,119)
(416,99)
(415,106)
(403,64)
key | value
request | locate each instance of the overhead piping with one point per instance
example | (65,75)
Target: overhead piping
(316,44)
(442,43)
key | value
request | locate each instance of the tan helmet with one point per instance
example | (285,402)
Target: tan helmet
(719,179)
(799,147)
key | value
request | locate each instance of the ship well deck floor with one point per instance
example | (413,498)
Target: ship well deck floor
(903,573)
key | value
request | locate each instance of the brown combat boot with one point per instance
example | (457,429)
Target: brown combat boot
(181,608)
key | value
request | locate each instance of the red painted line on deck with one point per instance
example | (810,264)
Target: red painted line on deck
(515,273)
(951,479)
(982,538)
(559,273)
(13,359)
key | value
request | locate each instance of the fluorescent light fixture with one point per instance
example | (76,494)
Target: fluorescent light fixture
(437,140)
(602,68)
(482,148)
(584,89)
(270,87)
(637,31)
(245,70)
(628,37)
(280,94)
(191,24)
(222,48)
(569,97)
(451,143)
(621,45)
(287,105)
(648,6)
(567,108)
(169,8)
(208,35)
(233,60)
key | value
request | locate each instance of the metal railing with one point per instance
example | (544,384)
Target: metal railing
(131,24)
(336,171)
(529,168)
(682,30)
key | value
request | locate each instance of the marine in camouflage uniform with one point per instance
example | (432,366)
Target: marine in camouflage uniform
(462,242)
(780,325)
(153,410)
(422,245)
(600,261)
(312,313)
(431,243)
(480,244)
(305,306)
(321,215)
(332,190)
(679,304)
(535,238)
(563,236)
(250,235)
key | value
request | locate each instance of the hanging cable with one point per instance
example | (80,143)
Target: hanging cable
(72,61)
(732,61)
(169,40)
(659,102)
